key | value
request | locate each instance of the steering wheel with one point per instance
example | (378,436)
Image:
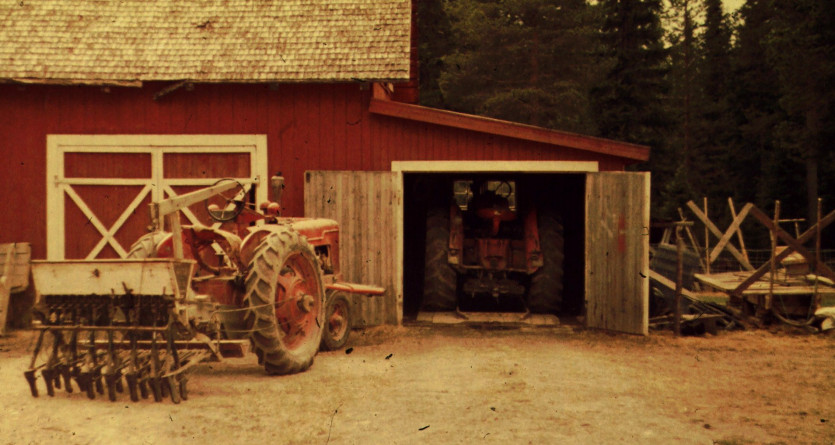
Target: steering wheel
(504,189)
(227,205)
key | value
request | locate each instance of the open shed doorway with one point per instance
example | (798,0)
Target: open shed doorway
(560,193)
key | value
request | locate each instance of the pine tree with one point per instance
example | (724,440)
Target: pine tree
(716,52)
(683,104)
(434,42)
(713,127)
(801,48)
(754,99)
(630,102)
(521,60)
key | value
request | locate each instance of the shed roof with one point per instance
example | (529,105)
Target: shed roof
(384,106)
(130,41)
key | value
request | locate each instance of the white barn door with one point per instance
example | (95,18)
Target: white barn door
(99,186)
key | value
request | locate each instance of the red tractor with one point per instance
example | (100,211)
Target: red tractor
(192,293)
(488,242)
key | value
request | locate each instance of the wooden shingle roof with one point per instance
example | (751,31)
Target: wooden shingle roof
(131,41)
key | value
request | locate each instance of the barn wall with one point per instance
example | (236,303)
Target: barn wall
(308,127)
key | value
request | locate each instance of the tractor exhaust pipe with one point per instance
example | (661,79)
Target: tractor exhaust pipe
(277,187)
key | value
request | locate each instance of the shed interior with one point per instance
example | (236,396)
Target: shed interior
(563,192)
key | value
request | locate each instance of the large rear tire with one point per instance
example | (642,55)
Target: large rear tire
(285,297)
(440,279)
(545,292)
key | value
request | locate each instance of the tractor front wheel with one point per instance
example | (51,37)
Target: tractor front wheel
(285,301)
(337,322)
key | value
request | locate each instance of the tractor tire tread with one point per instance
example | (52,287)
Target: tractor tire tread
(265,334)
(546,288)
(440,279)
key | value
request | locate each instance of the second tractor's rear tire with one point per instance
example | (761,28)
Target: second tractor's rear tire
(440,279)
(545,292)
(285,297)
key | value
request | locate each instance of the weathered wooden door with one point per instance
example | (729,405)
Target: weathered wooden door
(367,205)
(617,251)
(99,186)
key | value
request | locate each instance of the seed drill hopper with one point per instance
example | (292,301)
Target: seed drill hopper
(190,294)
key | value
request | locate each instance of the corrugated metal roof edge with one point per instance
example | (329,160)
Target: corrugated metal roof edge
(509,129)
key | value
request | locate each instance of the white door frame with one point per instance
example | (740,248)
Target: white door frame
(58,186)
(401,167)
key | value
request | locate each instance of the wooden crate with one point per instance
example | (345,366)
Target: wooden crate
(14,267)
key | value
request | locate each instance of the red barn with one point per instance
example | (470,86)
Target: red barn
(108,105)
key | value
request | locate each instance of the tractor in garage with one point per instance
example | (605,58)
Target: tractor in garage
(193,293)
(491,241)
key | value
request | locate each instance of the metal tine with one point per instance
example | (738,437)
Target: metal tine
(75,369)
(60,370)
(132,374)
(143,375)
(49,373)
(62,365)
(155,371)
(173,359)
(111,374)
(91,378)
(29,374)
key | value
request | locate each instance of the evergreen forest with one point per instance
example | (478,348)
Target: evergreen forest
(738,104)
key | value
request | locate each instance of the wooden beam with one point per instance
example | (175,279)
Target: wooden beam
(805,237)
(668,283)
(738,232)
(792,243)
(730,233)
(713,229)
(696,248)
(171,205)
(509,129)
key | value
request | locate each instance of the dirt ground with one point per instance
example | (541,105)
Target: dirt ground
(466,385)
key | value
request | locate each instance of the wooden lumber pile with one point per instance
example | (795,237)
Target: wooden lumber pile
(787,288)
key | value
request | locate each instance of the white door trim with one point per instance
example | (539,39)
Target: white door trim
(401,167)
(495,166)
(58,187)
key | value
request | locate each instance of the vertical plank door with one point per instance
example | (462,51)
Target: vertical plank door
(367,206)
(617,251)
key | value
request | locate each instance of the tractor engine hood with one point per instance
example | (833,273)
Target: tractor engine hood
(312,228)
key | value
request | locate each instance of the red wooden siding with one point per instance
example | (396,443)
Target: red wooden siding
(107,165)
(215,165)
(308,127)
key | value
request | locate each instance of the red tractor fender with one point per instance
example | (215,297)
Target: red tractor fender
(319,232)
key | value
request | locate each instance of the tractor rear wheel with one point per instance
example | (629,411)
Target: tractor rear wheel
(545,292)
(285,298)
(337,322)
(440,279)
